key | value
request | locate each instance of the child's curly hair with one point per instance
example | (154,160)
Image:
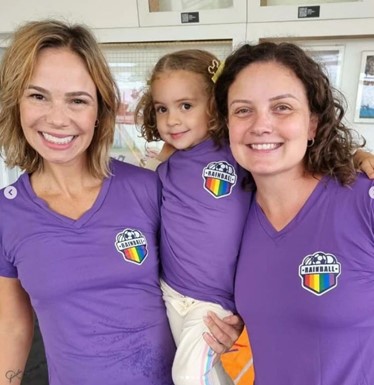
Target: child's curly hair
(196,61)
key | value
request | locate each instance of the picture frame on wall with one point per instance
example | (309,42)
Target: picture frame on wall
(330,57)
(364,112)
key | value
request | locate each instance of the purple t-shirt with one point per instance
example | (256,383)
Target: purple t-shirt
(94,282)
(203,212)
(306,293)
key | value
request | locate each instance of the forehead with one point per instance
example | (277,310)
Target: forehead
(61,67)
(59,60)
(180,76)
(266,77)
(178,82)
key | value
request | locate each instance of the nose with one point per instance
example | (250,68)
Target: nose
(57,115)
(261,124)
(173,118)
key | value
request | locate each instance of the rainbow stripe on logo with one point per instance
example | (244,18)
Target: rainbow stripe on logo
(218,187)
(136,254)
(319,282)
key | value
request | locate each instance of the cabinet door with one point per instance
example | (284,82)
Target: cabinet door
(95,13)
(184,12)
(290,10)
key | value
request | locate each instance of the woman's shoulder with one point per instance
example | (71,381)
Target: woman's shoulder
(131,177)
(123,169)
(361,190)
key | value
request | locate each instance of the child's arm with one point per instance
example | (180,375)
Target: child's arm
(364,161)
(223,332)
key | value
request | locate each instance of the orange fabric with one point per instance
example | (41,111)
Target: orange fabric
(236,359)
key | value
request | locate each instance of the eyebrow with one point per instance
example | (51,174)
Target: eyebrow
(70,94)
(176,101)
(278,97)
(283,96)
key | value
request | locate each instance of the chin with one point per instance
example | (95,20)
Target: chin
(182,146)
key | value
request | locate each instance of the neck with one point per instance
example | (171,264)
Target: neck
(62,179)
(282,198)
(69,191)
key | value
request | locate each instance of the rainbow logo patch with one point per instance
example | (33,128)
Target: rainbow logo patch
(319,272)
(132,245)
(219,178)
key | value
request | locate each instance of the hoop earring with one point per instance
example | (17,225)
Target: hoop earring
(310,142)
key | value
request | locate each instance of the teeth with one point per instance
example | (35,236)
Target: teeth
(264,146)
(56,140)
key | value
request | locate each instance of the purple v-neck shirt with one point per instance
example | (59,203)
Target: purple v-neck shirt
(94,282)
(306,293)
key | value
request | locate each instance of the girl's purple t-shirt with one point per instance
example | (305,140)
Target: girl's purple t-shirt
(203,211)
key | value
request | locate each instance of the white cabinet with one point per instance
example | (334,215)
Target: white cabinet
(191,12)
(292,10)
(95,13)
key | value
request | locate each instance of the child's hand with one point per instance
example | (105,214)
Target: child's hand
(224,332)
(364,161)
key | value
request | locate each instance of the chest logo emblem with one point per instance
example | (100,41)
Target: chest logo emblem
(319,272)
(132,245)
(219,178)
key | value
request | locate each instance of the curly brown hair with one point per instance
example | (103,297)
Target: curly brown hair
(15,72)
(193,60)
(334,146)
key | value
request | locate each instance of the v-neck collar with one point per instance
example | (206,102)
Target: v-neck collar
(76,223)
(310,202)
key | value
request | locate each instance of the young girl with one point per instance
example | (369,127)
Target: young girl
(203,207)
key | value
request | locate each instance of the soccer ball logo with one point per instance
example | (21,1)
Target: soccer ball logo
(219,178)
(319,272)
(128,235)
(320,259)
(222,167)
(132,244)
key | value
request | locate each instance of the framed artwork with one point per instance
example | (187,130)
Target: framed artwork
(330,58)
(364,112)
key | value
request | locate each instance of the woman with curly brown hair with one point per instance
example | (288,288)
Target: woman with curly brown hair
(306,266)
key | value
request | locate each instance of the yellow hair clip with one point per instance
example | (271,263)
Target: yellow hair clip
(215,69)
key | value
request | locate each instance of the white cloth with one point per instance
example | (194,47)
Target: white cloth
(195,363)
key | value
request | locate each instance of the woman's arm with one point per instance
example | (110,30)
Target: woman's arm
(223,332)
(16,330)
